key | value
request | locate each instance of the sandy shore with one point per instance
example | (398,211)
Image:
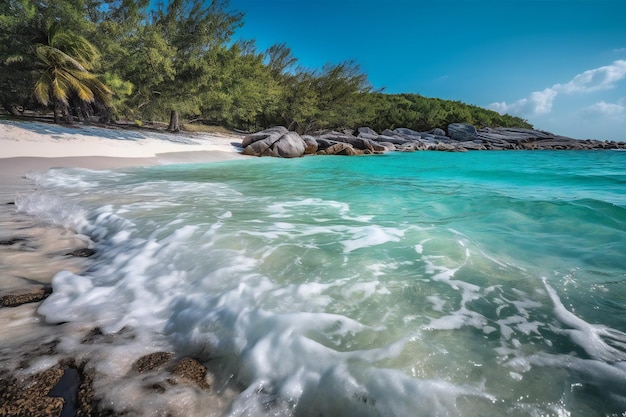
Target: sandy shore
(31,252)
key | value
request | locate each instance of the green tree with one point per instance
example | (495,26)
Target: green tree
(169,58)
(66,60)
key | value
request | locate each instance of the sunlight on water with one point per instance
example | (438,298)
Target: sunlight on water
(424,284)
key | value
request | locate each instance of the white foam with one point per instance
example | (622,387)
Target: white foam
(369,236)
(589,336)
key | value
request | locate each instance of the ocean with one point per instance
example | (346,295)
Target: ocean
(406,284)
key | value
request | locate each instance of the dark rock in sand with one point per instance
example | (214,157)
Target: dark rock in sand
(97,336)
(151,362)
(189,370)
(27,294)
(82,253)
(29,396)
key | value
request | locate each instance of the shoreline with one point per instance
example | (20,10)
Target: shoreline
(32,252)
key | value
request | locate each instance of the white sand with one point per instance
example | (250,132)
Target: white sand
(25,146)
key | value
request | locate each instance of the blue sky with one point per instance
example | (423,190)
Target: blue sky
(560,64)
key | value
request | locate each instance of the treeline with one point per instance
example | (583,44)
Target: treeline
(177,60)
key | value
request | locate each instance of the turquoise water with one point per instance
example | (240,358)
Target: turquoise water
(424,284)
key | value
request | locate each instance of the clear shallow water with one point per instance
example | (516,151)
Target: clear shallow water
(425,284)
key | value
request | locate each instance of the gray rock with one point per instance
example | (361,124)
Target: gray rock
(366,131)
(407,133)
(311,145)
(462,132)
(368,136)
(360,143)
(392,139)
(273,133)
(438,132)
(288,145)
(340,148)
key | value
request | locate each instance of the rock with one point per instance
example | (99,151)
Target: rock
(368,136)
(462,132)
(340,148)
(407,133)
(448,147)
(273,133)
(23,295)
(151,362)
(311,145)
(392,139)
(366,131)
(29,397)
(191,371)
(438,132)
(82,253)
(474,145)
(356,142)
(288,145)
(388,146)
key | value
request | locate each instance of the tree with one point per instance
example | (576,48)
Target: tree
(169,62)
(67,59)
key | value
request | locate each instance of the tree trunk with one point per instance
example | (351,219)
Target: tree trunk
(55,111)
(174,124)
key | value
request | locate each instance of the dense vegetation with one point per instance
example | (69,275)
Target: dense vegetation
(132,60)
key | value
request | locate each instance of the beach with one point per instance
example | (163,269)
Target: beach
(407,283)
(33,251)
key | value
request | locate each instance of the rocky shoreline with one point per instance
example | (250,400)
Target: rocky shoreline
(459,137)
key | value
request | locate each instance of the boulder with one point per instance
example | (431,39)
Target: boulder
(392,139)
(407,133)
(287,145)
(475,145)
(273,133)
(366,131)
(356,142)
(462,132)
(311,145)
(447,147)
(368,136)
(438,132)
(340,148)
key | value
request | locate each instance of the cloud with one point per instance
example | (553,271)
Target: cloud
(607,109)
(540,102)
(603,78)
(619,50)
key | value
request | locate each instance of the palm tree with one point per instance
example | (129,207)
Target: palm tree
(67,59)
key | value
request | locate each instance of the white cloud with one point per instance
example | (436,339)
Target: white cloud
(603,78)
(607,109)
(540,102)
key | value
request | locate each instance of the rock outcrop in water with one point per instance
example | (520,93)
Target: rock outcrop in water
(460,137)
